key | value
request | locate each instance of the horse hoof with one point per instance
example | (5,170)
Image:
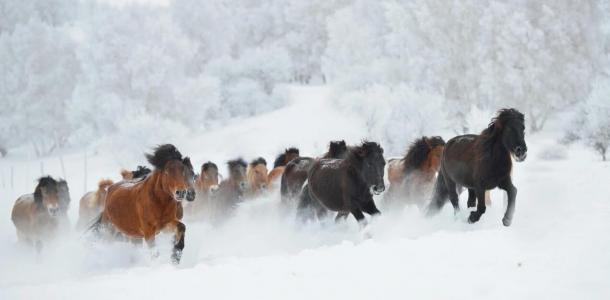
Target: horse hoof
(506,222)
(469,205)
(176,257)
(473,218)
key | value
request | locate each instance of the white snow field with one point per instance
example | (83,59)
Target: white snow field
(557,248)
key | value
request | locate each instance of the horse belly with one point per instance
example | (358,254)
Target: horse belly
(122,213)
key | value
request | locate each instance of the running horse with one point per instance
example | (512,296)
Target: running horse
(280,163)
(257,177)
(345,185)
(295,172)
(206,186)
(481,163)
(36,216)
(144,208)
(412,177)
(92,204)
(232,189)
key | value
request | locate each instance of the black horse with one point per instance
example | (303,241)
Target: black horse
(295,173)
(345,185)
(480,163)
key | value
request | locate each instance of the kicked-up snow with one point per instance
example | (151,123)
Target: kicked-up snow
(557,247)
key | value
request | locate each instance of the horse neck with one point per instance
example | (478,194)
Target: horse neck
(491,146)
(154,184)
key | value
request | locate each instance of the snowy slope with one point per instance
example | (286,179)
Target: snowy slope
(557,247)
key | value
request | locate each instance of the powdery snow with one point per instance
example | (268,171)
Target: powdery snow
(557,247)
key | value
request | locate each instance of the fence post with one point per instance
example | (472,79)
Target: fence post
(12,178)
(63,169)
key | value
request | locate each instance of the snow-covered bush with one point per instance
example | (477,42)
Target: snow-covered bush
(396,114)
(591,121)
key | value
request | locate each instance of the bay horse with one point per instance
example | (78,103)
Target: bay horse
(144,208)
(232,189)
(480,163)
(36,216)
(92,204)
(412,177)
(280,162)
(140,172)
(346,185)
(206,186)
(295,172)
(257,177)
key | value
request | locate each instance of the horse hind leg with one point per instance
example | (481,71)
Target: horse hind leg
(476,215)
(440,195)
(453,195)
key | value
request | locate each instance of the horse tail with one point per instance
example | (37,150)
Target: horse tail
(440,196)
(104,183)
(284,188)
(95,226)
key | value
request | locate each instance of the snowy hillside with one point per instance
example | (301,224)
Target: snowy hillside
(556,248)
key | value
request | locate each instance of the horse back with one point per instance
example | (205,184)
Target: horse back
(327,183)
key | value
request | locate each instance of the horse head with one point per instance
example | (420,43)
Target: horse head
(177,172)
(46,195)
(369,156)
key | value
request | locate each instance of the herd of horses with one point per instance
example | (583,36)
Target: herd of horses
(343,180)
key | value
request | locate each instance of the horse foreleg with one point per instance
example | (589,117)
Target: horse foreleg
(476,215)
(472,198)
(370,208)
(179,229)
(511,192)
(359,216)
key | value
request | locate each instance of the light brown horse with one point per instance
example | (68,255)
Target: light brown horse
(280,163)
(143,209)
(412,177)
(206,185)
(257,177)
(36,216)
(92,204)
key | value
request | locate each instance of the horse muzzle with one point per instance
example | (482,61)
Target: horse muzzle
(378,189)
(181,195)
(213,189)
(53,211)
(520,153)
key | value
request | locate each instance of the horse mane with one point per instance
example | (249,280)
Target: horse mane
(141,171)
(335,149)
(488,135)
(162,154)
(419,150)
(280,160)
(258,161)
(237,163)
(207,165)
(187,162)
(363,150)
(46,182)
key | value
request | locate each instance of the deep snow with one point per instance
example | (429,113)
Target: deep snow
(558,246)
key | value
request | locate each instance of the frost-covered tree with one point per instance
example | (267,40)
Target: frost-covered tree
(591,121)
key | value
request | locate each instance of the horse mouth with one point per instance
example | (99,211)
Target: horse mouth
(180,195)
(521,157)
(53,212)
(377,190)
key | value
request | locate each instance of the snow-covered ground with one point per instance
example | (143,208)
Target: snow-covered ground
(558,246)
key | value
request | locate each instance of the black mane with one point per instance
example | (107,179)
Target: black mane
(419,150)
(258,161)
(280,160)
(336,149)
(363,150)
(46,182)
(207,165)
(496,125)
(140,171)
(162,154)
(237,163)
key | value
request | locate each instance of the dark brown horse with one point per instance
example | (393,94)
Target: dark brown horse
(295,173)
(36,216)
(280,163)
(480,163)
(232,189)
(345,185)
(144,208)
(411,177)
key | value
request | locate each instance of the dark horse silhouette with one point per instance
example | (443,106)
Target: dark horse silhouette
(295,173)
(345,185)
(482,162)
